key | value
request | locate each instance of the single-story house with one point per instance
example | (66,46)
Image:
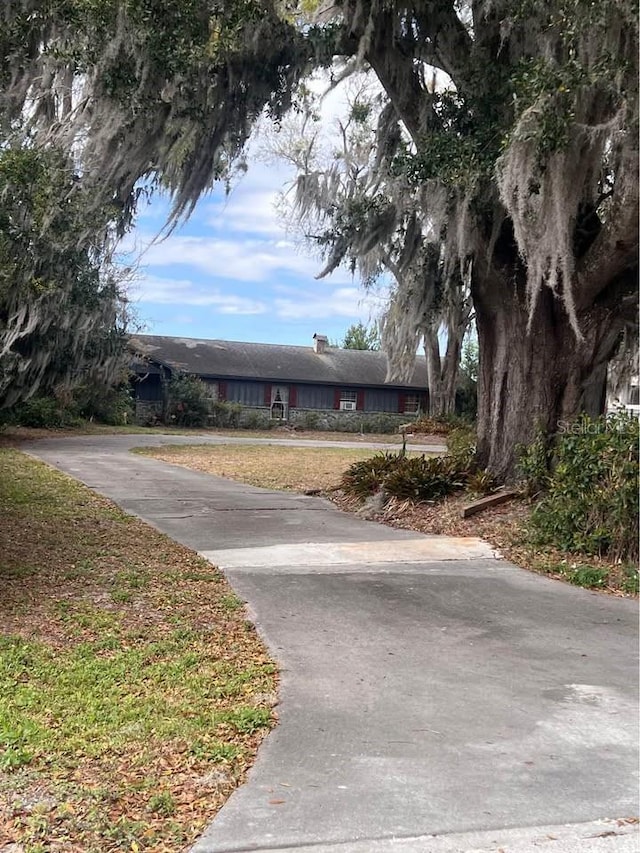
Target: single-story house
(289,383)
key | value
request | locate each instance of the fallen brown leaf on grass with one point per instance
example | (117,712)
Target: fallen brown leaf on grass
(133,692)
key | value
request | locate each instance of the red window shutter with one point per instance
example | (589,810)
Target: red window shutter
(360,401)
(402,402)
(336,398)
(222,391)
(267,395)
(293,396)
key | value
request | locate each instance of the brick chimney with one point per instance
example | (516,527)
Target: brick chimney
(319,343)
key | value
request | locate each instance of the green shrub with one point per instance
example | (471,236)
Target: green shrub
(380,424)
(423,478)
(419,478)
(190,401)
(591,503)
(533,465)
(43,413)
(225,415)
(251,419)
(631,581)
(364,478)
(347,424)
(439,424)
(461,445)
(376,422)
(106,405)
(588,577)
(309,420)
(69,407)
(481,482)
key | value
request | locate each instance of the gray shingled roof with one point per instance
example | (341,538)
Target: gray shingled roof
(272,362)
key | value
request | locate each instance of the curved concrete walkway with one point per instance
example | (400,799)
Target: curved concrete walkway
(433,698)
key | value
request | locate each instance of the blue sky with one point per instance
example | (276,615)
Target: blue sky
(233,272)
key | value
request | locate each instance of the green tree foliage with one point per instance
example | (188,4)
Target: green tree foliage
(359,211)
(99,100)
(62,316)
(190,401)
(469,363)
(359,336)
(467,390)
(165,90)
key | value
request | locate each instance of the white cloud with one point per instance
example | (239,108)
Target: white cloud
(341,302)
(250,212)
(246,259)
(169,291)
(253,213)
(250,208)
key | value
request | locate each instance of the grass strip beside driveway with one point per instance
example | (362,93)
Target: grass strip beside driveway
(133,691)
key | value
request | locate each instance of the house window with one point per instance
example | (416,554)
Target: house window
(348,401)
(212,389)
(411,404)
(279,402)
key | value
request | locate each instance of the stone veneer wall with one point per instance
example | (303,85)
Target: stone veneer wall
(310,419)
(326,419)
(147,411)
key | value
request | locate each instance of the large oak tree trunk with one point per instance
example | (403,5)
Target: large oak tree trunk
(535,374)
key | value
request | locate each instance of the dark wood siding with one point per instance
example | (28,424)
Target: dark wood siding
(247,393)
(314,397)
(381,400)
(148,390)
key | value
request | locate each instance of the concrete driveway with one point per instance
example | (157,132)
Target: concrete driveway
(433,698)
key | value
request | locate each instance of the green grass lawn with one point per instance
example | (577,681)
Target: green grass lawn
(133,692)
